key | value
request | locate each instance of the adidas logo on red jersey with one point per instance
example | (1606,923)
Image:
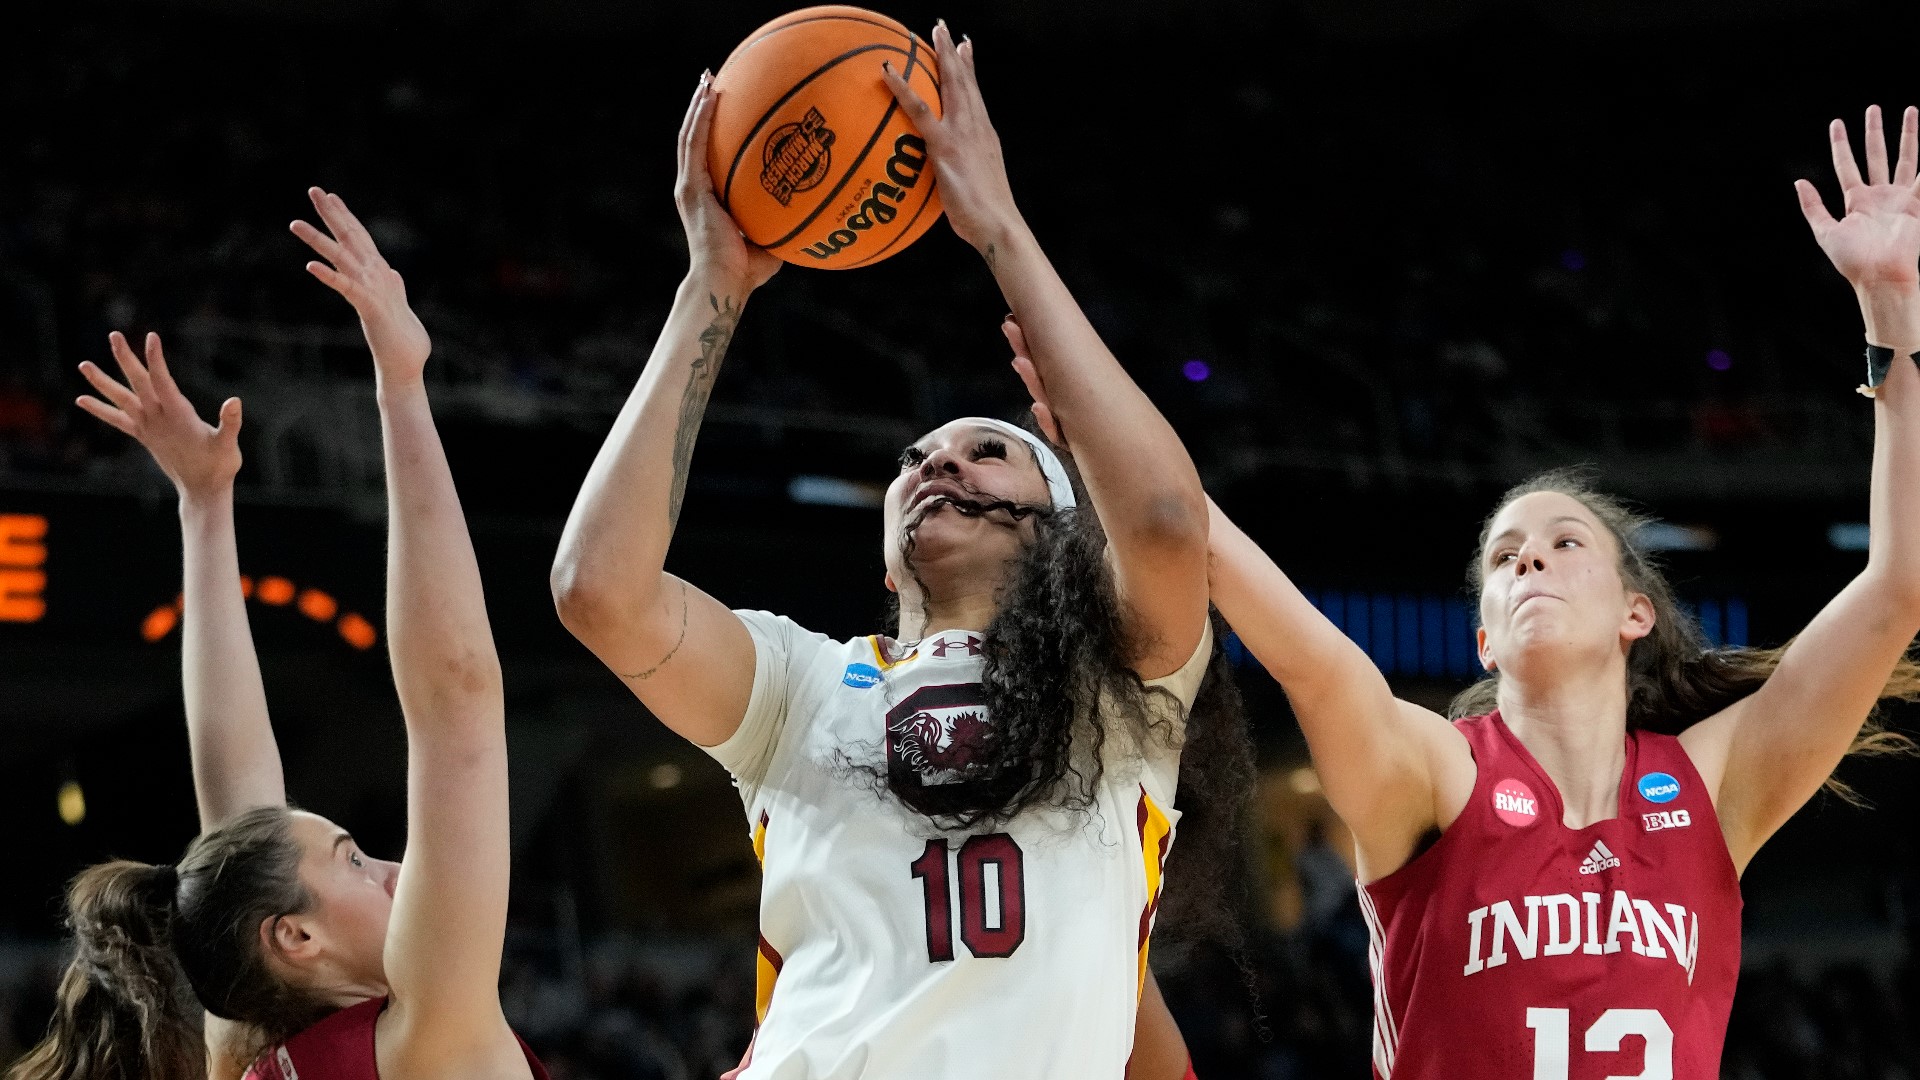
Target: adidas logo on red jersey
(1599,859)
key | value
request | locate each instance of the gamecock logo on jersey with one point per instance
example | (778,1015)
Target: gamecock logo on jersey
(938,735)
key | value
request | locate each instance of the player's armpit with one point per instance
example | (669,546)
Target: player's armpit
(1764,756)
(1398,812)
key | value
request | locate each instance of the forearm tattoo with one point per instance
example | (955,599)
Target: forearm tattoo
(693,401)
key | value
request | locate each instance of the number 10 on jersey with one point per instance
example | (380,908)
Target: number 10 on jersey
(993,895)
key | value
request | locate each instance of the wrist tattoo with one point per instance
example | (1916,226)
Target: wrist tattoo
(693,401)
(993,257)
(647,674)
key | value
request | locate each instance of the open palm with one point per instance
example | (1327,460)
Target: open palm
(195,455)
(1876,244)
(356,270)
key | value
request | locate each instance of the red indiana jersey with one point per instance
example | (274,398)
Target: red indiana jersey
(1516,948)
(340,1047)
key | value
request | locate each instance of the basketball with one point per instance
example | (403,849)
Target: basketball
(810,152)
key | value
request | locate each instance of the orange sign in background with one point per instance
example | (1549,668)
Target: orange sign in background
(23,568)
(319,606)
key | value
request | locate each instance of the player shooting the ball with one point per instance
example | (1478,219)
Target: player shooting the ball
(962,823)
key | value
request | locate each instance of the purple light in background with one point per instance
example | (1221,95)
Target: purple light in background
(1718,360)
(1196,370)
(1573,259)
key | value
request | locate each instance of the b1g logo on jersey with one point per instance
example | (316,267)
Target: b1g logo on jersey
(937,736)
(1659,787)
(861,676)
(1666,819)
(1513,803)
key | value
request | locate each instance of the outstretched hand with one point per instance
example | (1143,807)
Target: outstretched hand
(714,243)
(1876,244)
(1037,390)
(355,269)
(197,456)
(962,144)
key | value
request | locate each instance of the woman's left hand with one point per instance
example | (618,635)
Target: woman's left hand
(355,269)
(1037,390)
(1876,245)
(964,148)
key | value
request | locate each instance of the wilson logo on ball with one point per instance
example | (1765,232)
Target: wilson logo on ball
(796,157)
(909,160)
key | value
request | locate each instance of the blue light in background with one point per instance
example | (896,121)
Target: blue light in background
(1196,370)
(1432,634)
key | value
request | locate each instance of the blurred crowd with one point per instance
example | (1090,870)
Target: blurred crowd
(1465,294)
(1292,1004)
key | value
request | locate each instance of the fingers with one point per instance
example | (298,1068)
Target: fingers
(1812,207)
(695,162)
(157,362)
(323,245)
(346,228)
(130,367)
(1904,172)
(112,391)
(229,427)
(107,414)
(959,88)
(1876,133)
(1030,378)
(687,122)
(1016,337)
(1050,427)
(911,102)
(332,279)
(1843,165)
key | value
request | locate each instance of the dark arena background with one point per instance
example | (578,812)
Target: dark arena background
(1375,259)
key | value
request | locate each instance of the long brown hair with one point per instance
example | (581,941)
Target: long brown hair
(154,944)
(1675,677)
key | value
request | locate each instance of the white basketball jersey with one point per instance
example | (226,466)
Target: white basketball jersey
(889,949)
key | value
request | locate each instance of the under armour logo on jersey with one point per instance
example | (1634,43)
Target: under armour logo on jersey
(1599,859)
(942,644)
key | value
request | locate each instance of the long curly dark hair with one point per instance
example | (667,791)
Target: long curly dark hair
(1058,687)
(1675,678)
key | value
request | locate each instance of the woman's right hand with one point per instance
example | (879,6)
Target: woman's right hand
(197,456)
(714,242)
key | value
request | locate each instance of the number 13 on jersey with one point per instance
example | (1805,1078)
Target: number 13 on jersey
(993,896)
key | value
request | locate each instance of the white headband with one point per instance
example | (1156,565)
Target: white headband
(1059,488)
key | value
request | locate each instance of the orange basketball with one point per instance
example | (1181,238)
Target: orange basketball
(810,153)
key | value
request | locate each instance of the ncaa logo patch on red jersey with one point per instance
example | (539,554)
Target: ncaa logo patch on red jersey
(1514,803)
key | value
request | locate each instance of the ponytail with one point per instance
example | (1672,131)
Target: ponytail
(124,1010)
(153,944)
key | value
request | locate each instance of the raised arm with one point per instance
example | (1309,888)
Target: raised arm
(1766,755)
(450,905)
(679,650)
(1136,470)
(236,764)
(1393,771)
